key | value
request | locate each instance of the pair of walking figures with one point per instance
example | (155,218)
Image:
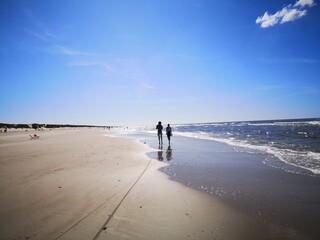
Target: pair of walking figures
(159,127)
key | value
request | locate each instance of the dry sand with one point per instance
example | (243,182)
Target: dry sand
(81,184)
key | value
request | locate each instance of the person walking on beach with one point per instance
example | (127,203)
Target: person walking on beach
(159,127)
(169,133)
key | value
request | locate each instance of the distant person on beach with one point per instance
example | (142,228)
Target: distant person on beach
(35,136)
(159,127)
(169,133)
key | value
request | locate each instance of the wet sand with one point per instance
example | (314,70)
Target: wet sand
(81,184)
(290,202)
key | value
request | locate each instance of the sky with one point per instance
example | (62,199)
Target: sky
(137,62)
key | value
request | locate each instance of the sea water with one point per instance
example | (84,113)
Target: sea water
(295,142)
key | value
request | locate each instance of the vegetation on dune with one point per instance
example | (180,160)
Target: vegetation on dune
(41,126)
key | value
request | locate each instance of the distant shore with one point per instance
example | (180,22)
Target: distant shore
(48,126)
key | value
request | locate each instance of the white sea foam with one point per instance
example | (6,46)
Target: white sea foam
(277,124)
(314,155)
(314,123)
(241,124)
(151,131)
(199,125)
(303,159)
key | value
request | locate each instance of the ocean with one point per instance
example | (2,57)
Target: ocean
(295,142)
(267,169)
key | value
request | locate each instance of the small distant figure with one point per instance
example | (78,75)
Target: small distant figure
(169,133)
(159,127)
(34,137)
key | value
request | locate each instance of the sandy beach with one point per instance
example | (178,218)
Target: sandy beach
(83,184)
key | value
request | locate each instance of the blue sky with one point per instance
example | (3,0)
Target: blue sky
(124,62)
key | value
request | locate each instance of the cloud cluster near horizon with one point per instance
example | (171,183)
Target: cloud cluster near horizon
(288,13)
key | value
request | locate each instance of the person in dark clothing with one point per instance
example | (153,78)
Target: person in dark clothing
(159,127)
(169,133)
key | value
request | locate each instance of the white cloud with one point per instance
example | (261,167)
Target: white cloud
(293,14)
(310,90)
(102,64)
(41,36)
(146,85)
(65,51)
(269,87)
(302,3)
(38,28)
(289,60)
(267,20)
(287,14)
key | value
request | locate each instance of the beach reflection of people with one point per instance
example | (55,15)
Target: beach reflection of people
(169,153)
(160,153)
(169,133)
(159,127)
